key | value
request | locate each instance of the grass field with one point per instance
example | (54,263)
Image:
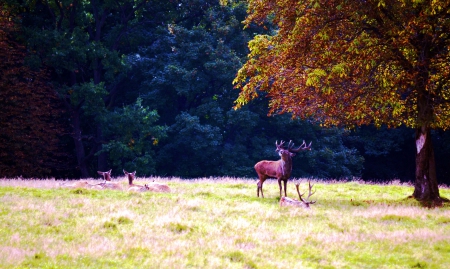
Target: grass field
(219,223)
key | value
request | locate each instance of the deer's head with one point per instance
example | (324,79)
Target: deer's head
(130,176)
(106,175)
(290,151)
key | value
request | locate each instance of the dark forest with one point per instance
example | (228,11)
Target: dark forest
(147,86)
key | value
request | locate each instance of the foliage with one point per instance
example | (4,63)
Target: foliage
(152,91)
(331,158)
(354,63)
(351,63)
(30,123)
(132,134)
(352,225)
(85,45)
(388,153)
(186,74)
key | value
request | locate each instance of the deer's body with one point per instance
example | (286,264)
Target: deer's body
(131,185)
(110,185)
(281,169)
(138,188)
(107,184)
(82,184)
(286,201)
(155,187)
(158,187)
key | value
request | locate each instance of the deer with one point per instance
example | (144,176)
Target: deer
(106,175)
(286,201)
(156,187)
(281,169)
(139,188)
(107,184)
(79,184)
(132,186)
(82,184)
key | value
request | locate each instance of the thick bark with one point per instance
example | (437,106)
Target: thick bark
(426,187)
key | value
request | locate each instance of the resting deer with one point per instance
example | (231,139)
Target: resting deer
(76,185)
(107,184)
(286,201)
(82,184)
(156,187)
(106,175)
(281,169)
(131,185)
(139,188)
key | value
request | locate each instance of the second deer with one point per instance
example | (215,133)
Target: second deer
(281,169)
(107,184)
(156,187)
(286,201)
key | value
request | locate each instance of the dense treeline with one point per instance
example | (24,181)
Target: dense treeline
(147,86)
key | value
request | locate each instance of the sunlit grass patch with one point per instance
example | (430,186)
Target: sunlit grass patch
(220,223)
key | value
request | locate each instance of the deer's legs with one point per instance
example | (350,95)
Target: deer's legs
(279,185)
(281,188)
(260,185)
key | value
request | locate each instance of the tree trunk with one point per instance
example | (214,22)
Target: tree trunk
(102,160)
(79,147)
(426,188)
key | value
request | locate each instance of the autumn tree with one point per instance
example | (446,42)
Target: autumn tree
(85,44)
(30,114)
(354,63)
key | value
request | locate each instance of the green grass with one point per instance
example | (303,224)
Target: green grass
(220,223)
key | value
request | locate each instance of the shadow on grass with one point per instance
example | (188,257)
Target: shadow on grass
(440,202)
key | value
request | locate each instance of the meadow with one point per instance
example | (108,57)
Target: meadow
(220,223)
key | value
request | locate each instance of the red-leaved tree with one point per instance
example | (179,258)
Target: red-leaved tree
(30,130)
(353,63)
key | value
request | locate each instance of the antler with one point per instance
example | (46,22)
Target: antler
(309,194)
(279,146)
(302,147)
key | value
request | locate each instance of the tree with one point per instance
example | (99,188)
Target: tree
(30,114)
(185,73)
(388,153)
(354,63)
(132,134)
(85,45)
(184,70)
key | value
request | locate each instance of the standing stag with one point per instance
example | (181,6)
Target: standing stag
(281,169)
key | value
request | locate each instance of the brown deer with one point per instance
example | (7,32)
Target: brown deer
(286,201)
(107,184)
(132,186)
(156,187)
(82,184)
(131,177)
(139,188)
(106,175)
(281,169)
